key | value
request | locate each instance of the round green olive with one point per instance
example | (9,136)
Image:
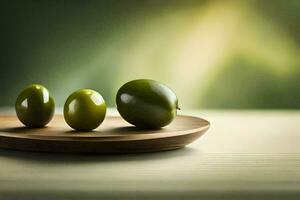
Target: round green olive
(147,103)
(34,106)
(84,110)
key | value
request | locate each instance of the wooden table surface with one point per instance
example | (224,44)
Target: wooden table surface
(244,155)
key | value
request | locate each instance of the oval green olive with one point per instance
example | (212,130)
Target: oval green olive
(34,106)
(84,110)
(147,103)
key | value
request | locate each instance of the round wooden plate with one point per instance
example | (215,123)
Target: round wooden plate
(113,136)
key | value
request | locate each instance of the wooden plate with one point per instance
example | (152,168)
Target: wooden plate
(113,136)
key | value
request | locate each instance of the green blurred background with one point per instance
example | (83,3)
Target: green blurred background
(213,54)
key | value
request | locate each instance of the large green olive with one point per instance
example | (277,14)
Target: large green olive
(147,103)
(84,110)
(34,106)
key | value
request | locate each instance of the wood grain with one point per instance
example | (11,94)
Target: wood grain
(113,136)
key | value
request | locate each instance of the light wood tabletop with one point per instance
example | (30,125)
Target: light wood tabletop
(244,155)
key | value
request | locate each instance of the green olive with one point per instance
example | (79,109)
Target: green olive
(34,106)
(147,103)
(84,110)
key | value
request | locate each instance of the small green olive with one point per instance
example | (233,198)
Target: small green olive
(147,103)
(84,110)
(34,106)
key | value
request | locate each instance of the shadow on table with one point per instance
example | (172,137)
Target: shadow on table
(90,158)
